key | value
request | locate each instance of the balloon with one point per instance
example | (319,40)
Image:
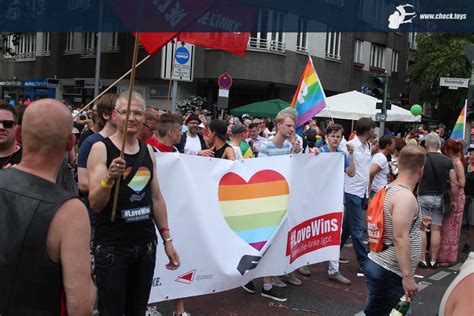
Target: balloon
(416,109)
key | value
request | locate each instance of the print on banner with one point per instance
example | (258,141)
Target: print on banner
(191,276)
(253,209)
(314,234)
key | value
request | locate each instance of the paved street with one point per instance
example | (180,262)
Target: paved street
(319,296)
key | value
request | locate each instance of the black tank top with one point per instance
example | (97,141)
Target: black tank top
(469,187)
(133,223)
(30,282)
(220,152)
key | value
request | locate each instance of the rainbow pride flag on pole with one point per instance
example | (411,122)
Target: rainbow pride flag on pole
(309,98)
(459,128)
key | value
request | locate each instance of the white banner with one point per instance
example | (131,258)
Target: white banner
(233,221)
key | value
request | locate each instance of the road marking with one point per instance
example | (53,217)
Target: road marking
(423,285)
(456,267)
(438,276)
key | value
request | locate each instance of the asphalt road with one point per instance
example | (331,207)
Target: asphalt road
(318,295)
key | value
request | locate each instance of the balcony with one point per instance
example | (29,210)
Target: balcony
(25,56)
(265,45)
(302,49)
(88,52)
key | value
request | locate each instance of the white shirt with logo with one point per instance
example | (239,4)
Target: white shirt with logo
(358,184)
(192,146)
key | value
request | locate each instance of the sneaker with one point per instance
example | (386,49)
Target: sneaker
(152,311)
(466,248)
(338,277)
(422,265)
(305,271)
(182,314)
(249,288)
(276,281)
(343,260)
(434,265)
(274,295)
(292,279)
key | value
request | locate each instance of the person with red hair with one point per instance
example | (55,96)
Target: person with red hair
(451,227)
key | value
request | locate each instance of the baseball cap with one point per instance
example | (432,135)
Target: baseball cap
(192,117)
(219,127)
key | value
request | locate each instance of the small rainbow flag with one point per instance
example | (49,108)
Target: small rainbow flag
(309,98)
(460,126)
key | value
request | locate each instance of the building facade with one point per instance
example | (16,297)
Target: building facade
(62,65)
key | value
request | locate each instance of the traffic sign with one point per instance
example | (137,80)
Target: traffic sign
(177,61)
(224,81)
(454,83)
(380,117)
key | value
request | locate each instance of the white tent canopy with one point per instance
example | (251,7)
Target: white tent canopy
(353,105)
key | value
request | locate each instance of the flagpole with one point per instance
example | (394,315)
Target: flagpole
(111,86)
(130,89)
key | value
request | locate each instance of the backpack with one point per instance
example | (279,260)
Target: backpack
(375,221)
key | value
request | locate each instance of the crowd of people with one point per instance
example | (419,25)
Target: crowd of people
(429,193)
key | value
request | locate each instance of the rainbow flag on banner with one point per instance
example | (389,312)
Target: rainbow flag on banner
(460,126)
(309,98)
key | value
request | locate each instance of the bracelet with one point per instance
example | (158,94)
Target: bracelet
(164,229)
(166,240)
(106,185)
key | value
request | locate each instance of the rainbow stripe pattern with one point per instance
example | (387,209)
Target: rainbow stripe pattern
(254,209)
(460,126)
(309,98)
(139,180)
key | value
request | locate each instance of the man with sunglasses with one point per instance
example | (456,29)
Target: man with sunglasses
(147,134)
(10,151)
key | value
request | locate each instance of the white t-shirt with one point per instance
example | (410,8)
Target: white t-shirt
(359,184)
(238,152)
(381,177)
(192,146)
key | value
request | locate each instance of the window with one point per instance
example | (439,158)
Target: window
(302,36)
(8,47)
(26,48)
(358,52)
(46,43)
(394,66)
(377,56)
(333,45)
(113,43)
(265,40)
(89,44)
(69,43)
(412,40)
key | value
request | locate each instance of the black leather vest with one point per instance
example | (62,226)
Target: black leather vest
(30,283)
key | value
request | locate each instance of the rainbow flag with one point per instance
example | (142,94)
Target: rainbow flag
(309,98)
(460,126)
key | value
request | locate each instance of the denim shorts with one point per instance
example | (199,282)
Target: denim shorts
(432,205)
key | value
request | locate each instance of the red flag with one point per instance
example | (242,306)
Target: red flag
(154,41)
(234,42)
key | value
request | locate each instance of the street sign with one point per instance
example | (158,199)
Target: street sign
(224,93)
(177,61)
(224,81)
(379,117)
(454,83)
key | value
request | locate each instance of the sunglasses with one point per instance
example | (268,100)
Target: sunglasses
(7,123)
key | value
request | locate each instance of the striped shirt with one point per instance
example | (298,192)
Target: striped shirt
(269,148)
(388,257)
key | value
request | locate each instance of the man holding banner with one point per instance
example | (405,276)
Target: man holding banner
(125,244)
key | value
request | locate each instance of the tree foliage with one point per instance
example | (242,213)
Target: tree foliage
(5,48)
(441,55)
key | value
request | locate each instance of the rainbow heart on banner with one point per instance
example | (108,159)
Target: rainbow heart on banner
(254,209)
(139,180)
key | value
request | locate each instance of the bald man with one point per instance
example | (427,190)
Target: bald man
(44,230)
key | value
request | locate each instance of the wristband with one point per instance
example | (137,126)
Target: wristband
(166,240)
(106,185)
(164,229)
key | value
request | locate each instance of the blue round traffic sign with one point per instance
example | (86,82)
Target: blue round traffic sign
(182,55)
(224,81)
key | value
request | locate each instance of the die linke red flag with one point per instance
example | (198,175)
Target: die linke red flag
(228,41)
(154,41)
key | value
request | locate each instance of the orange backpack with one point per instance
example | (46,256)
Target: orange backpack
(375,226)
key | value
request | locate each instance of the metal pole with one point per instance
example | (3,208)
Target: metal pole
(384,105)
(174,96)
(99,53)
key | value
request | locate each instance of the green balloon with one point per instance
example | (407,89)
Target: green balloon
(416,109)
